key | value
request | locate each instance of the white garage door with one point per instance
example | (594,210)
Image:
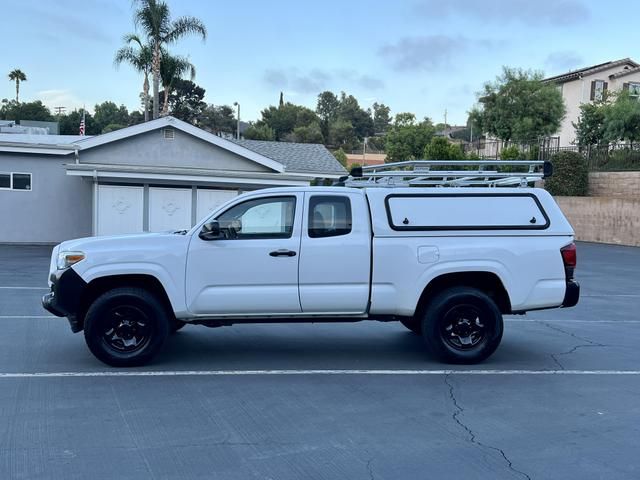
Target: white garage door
(169,209)
(119,210)
(209,200)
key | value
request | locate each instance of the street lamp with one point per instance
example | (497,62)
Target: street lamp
(236,104)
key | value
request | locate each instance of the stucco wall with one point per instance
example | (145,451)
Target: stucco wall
(615,184)
(57,208)
(152,149)
(603,219)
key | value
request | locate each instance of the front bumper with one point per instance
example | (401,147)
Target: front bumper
(572,294)
(67,288)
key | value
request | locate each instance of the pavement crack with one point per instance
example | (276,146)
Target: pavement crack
(472,438)
(370,469)
(589,343)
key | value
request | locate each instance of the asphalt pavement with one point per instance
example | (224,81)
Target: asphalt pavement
(558,400)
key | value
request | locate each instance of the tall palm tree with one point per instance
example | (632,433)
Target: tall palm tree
(17,76)
(140,58)
(154,17)
(173,68)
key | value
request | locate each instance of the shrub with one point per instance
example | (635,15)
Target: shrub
(570,175)
(439,148)
(511,153)
(341,157)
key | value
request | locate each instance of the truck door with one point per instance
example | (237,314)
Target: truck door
(335,253)
(253,267)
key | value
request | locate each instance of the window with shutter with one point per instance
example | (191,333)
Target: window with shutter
(634,89)
(597,90)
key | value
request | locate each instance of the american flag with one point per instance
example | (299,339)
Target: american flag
(81,132)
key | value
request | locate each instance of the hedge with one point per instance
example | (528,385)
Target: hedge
(570,175)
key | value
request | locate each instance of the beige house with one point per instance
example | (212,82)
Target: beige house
(589,84)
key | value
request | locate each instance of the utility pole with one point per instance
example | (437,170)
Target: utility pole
(238,127)
(445,119)
(59,110)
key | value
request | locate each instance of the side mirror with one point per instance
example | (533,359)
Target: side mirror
(210,231)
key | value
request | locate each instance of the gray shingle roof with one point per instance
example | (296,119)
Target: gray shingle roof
(297,157)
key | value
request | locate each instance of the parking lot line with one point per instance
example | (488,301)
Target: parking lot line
(213,373)
(23,288)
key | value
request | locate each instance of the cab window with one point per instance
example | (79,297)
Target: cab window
(270,217)
(329,216)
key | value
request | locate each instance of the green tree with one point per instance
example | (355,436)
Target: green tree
(218,119)
(13,110)
(308,134)
(172,69)
(407,139)
(259,132)
(349,110)
(140,58)
(439,148)
(381,118)
(154,18)
(17,75)
(284,119)
(590,129)
(342,134)
(69,124)
(519,107)
(341,156)
(622,118)
(108,113)
(327,110)
(186,102)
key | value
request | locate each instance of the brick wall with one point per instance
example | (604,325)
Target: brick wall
(603,219)
(615,184)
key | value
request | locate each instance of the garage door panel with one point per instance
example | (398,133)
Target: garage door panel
(120,210)
(169,209)
(209,200)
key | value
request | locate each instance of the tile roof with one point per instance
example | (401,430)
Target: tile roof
(297,157)
(572,75)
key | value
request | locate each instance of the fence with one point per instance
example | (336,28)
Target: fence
(600,158)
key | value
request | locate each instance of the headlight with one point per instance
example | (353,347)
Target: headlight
(66,259)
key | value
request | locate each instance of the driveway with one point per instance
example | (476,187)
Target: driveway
(559,399)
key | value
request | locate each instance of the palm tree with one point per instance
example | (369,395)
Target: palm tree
(154,17)
(173,68)
(17,76)
(140,58)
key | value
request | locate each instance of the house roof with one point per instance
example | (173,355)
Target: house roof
(281,157)
(297,157)
(628,71)
(574,74)
(185,127)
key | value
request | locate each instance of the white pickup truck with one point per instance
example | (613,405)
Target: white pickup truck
(446,262)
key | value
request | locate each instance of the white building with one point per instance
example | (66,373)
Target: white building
(589,84)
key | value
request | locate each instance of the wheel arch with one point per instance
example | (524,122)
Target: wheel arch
(100,285)
(485,281)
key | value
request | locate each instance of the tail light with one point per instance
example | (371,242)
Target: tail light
(569,258)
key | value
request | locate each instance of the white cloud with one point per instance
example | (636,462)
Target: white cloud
(60,98)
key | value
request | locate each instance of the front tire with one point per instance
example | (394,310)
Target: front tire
(126,327)
(462,325)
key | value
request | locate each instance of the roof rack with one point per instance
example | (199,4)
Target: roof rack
(465,173)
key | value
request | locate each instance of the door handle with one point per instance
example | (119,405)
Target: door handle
(283,252)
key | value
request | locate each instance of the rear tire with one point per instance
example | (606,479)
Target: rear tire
(413,324)
(126,327)
(462,325)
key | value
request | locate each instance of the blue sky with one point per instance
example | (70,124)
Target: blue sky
(422,56)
